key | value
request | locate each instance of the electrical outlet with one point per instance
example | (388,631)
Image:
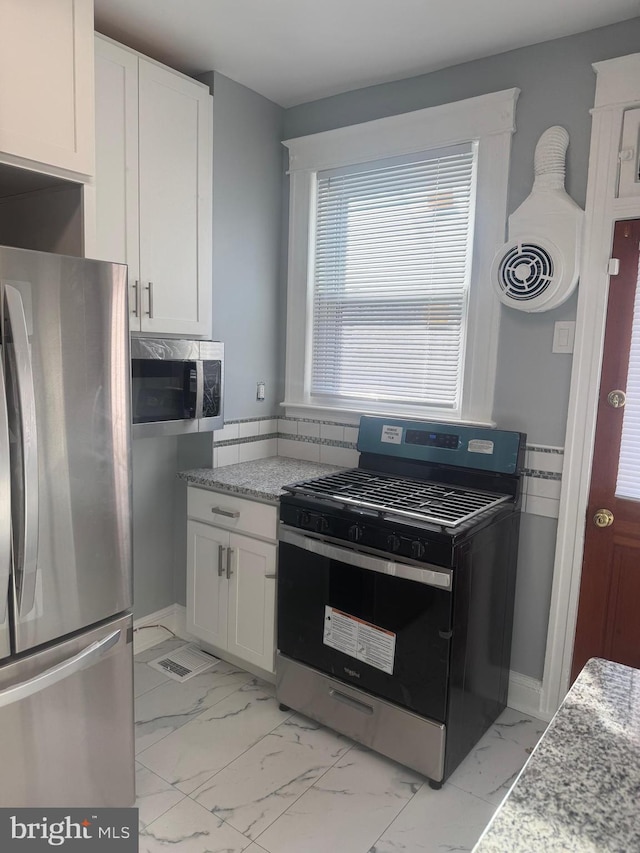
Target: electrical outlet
(260,391)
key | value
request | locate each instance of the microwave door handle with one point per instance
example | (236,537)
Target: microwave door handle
(199,388)
(5,501)
(27,572)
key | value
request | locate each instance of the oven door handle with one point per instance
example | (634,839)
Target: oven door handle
(425,573)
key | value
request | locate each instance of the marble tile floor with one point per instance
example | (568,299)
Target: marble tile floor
(220,769)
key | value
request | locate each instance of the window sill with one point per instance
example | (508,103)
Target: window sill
(351,416)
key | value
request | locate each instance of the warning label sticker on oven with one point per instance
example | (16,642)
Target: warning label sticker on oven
(391,434)
(359,639)
(478,445)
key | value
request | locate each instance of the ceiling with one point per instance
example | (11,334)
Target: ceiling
(293,51)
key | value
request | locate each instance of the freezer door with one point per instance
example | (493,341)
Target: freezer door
(66,723)
(65,348)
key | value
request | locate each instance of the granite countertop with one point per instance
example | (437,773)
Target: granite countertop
(261,479)
(580,789)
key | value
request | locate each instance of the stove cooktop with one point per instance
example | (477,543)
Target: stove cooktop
(438,503)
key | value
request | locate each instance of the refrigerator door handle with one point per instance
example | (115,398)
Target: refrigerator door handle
(5,501)
(26,579)
(87,657)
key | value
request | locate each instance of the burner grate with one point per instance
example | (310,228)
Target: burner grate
(442,504)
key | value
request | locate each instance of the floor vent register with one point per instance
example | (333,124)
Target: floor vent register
(184,663)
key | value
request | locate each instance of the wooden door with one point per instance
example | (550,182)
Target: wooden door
(608,623)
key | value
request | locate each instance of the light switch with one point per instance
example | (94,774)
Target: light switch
(563,336)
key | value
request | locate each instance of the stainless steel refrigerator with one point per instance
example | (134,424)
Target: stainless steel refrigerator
(66,694)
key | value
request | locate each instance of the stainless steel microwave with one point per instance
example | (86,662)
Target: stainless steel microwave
(177,386)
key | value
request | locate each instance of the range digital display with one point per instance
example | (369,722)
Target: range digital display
(424,438)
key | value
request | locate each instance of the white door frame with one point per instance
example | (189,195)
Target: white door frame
(617,89)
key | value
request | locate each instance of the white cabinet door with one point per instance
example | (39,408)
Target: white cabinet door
(153,189)
(116,184)
(46,84)
(207,584)
(175,184)
(251,625)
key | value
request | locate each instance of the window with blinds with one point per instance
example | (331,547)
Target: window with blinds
(628,483)
(392,259)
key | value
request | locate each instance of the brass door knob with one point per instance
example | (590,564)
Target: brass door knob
(616,399)
(603,518)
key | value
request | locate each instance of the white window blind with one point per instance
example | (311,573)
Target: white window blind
(392,261)
(628,484)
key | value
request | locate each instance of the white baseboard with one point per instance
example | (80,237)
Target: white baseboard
(525,695)
(174,618)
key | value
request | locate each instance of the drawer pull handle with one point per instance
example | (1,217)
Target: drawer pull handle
(270,577)
(352,703)
(228,513)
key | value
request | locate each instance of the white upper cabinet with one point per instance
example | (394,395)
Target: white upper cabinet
(46,85)
(153,188)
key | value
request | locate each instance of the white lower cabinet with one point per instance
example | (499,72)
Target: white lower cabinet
(231,590)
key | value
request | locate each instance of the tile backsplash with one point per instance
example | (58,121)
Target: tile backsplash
(335,444)
(314,441)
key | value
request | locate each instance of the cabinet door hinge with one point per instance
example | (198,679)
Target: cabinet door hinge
(613,267)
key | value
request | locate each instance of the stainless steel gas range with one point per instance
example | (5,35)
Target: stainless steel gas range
(396,583)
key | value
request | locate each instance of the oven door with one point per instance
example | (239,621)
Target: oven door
(379,625)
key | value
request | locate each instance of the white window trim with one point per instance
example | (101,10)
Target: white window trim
(487,119)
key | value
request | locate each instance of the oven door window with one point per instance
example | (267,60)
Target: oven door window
(406,628)
(162,390)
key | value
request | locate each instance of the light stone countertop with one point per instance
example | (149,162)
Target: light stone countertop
(260,479)
(579,792)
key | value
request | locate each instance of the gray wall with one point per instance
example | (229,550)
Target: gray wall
(557,85)
(247,192)
(532,388)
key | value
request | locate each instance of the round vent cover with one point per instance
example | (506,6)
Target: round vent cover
(527,274)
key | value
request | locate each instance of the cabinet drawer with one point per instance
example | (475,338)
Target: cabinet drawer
(232,513)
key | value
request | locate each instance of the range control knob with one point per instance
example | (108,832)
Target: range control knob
(393,542)
(304,518)
(355,533)
(322,525)
(417,549)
